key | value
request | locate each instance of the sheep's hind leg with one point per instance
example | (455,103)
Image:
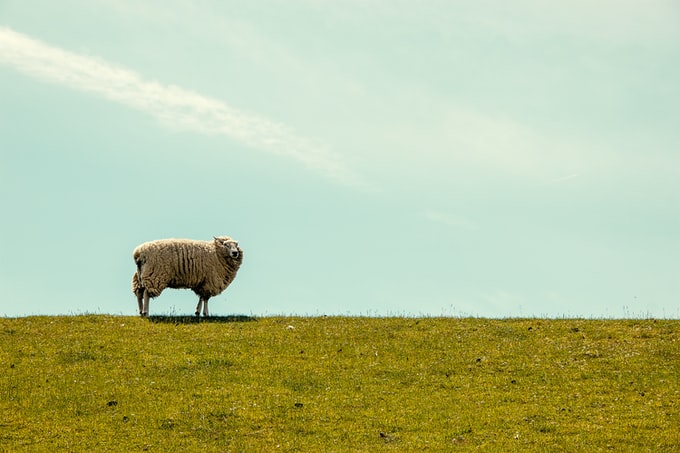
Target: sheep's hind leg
(205,307)
(145,309)
(198,307)
(138,289)
(140,303)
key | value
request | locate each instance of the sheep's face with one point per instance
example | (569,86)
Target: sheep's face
(228,246)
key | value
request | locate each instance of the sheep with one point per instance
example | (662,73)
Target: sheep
(205,267)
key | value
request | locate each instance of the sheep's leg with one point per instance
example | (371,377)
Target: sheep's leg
(198,307)
(139,300)
(139,292)
(138,289)
(205,307)
(145,309)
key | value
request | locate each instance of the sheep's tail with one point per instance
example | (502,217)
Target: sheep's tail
(138,262)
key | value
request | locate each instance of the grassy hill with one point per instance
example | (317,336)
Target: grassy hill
(107,383)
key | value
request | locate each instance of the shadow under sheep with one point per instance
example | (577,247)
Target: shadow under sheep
(190,319)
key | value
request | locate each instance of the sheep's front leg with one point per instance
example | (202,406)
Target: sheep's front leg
(204,302)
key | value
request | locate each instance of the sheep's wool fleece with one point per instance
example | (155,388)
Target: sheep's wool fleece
(184,263)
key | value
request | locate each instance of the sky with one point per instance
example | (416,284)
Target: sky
(372,158)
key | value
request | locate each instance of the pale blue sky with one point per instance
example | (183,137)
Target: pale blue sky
(483,158)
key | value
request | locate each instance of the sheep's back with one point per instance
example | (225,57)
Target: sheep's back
(182,261)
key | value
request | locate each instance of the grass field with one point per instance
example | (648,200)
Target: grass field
(107,383)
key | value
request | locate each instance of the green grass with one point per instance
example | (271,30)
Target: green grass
(106,383)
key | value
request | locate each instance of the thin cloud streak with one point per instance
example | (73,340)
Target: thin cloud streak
(449,220)
(170,104)
(566,178)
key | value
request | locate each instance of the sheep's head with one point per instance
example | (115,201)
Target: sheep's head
(227,246)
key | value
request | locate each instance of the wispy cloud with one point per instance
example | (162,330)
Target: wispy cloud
(172,105)
(450,220)
(565,178)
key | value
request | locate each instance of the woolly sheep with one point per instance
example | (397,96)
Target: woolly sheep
(205,267)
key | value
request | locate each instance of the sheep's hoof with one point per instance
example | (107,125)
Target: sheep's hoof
(144,315)
(198,313)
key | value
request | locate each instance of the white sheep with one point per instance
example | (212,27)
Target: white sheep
(205,267)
